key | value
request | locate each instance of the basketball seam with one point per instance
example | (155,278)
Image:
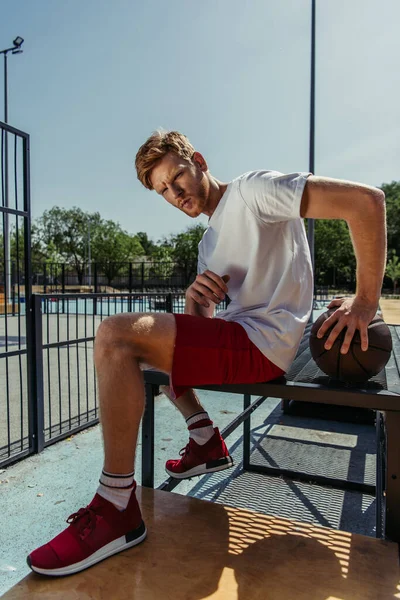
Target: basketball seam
(376,324)
(358,362)
(322,353)
(358,344)
(373,347)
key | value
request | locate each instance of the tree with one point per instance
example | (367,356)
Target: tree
(113,247)
(393,269)
(68,231)
(147,245)
(17,245)
(392,193)
(39,253)
(334,254)
(161,264)
(185,248)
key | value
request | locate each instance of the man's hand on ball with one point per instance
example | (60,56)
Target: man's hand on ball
(353,313)
(208,286)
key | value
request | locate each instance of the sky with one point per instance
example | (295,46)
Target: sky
(97,77)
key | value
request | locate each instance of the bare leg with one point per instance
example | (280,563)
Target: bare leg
(187,404)
(122,342)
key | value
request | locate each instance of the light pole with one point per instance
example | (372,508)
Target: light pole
(89,259)
(310,232)
(15,49)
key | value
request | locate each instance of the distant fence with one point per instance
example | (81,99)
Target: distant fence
(139,275)
(64,397)
(142,275)
(133,277)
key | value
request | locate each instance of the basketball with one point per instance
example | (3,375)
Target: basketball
(356,365)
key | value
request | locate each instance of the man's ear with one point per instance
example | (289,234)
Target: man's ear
(200,161)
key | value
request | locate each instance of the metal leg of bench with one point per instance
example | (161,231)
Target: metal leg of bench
(246,433)
(392,426)
(380,474)
(148,436)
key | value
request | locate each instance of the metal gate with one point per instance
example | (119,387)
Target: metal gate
(16,335)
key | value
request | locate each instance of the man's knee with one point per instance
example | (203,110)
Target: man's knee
(110,337)
(141,334)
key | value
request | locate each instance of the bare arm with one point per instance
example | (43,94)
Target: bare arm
(363,208)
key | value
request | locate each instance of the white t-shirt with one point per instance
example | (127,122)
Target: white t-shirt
(256,236)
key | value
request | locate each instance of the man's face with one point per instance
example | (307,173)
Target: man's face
(182,183)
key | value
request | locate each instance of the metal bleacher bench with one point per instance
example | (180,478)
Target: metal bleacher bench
(306,383)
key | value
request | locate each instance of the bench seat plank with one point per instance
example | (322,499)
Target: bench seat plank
(197,549)
(306,382)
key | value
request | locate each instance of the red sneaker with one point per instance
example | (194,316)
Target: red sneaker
(95,533)
(199,460)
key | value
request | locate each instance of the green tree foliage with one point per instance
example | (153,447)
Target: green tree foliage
(39,253)
(67,232)
(392,193)
(335,262)
(161,263)
(112,248)
(393,269)
(148,246)
(185,247)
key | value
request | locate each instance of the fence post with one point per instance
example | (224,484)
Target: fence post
(44,279)
(168,303)
(130,286)
(95,289)
(63,278)
(35,370)
(185,283)
(12,291)
(142,286)
(63,286)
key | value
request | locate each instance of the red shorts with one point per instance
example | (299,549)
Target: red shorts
(214,351)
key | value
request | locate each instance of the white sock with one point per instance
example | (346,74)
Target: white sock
(116,488)
(200,427)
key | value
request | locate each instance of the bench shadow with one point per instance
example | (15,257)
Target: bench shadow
(296,560)
(351,456)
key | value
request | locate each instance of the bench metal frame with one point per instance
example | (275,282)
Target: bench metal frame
(304,382)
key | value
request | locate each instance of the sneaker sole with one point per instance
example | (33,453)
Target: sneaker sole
(118,545)
(210,467)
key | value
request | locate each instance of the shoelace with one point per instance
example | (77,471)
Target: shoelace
(184,451)
(80,522)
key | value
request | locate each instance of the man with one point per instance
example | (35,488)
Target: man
(255,249)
